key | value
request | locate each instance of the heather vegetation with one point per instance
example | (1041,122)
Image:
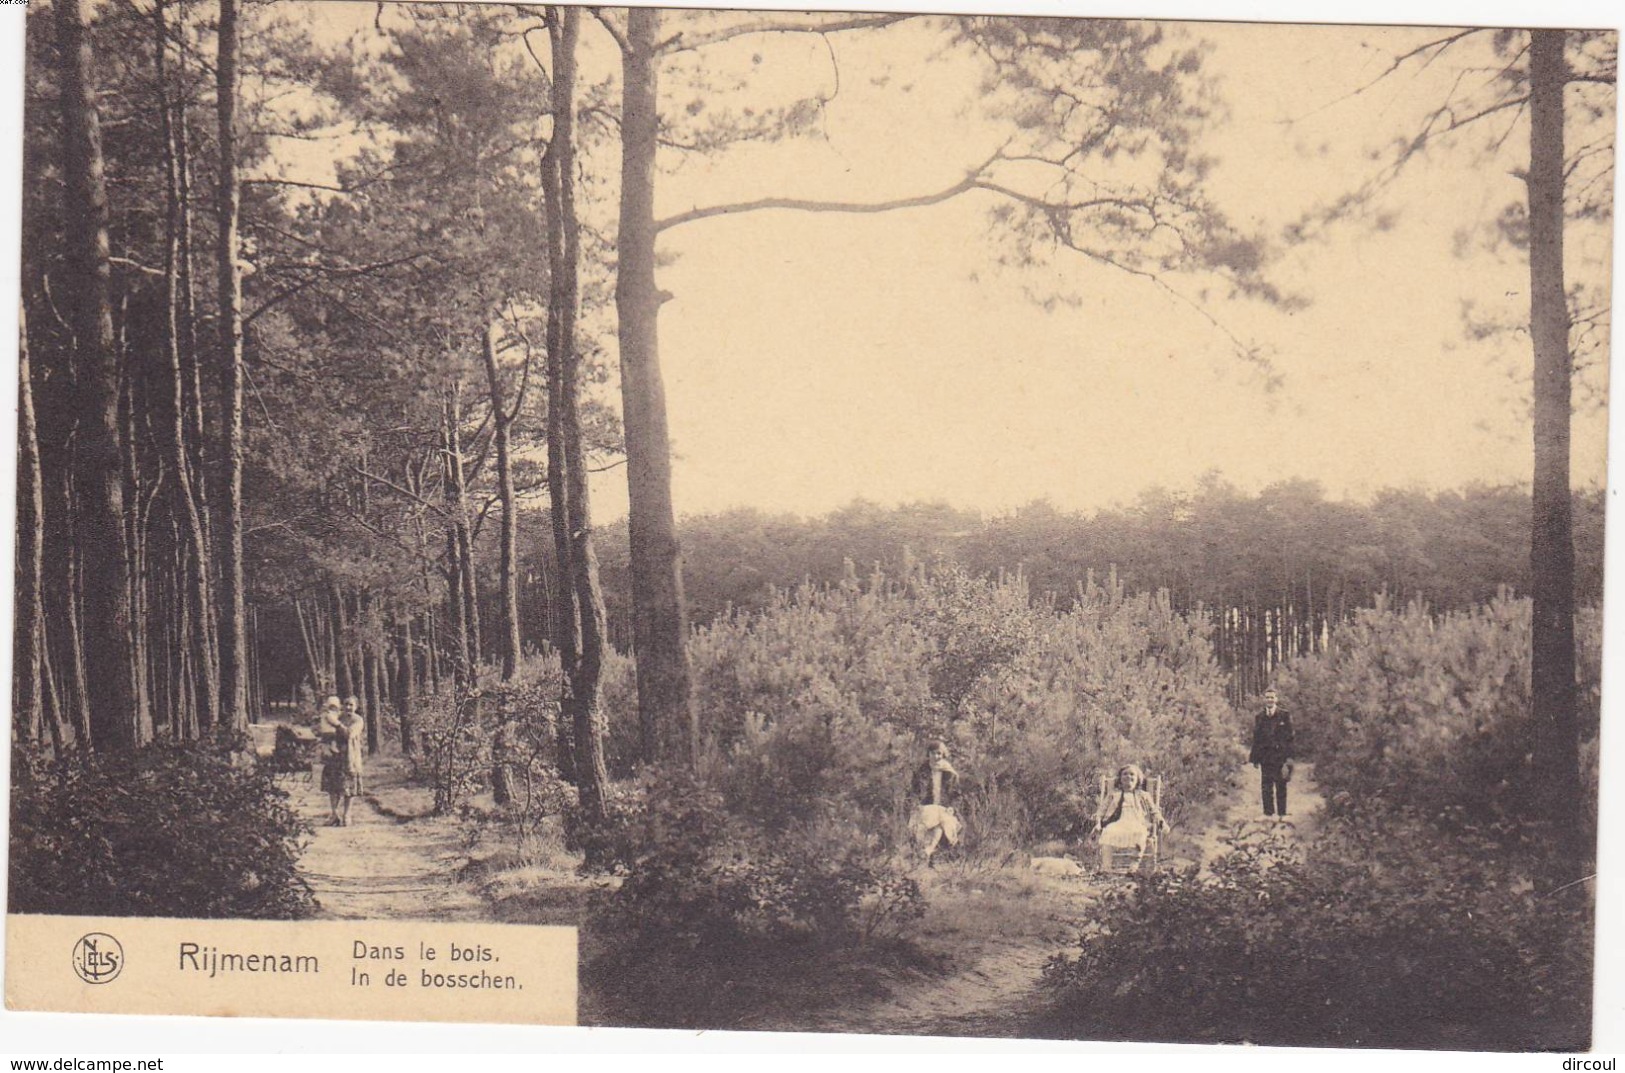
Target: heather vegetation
(1380,934)
(1287,554)
(1429,713)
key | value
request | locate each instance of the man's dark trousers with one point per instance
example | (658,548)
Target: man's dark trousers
(1272,782)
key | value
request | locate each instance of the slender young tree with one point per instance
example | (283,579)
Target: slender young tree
(501,425)
(405,681)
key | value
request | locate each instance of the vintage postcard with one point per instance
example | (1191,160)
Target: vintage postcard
(848,522)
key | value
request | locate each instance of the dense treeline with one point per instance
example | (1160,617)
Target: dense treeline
(1287,551)
(1219,549)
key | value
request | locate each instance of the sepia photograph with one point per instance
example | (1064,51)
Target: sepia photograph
(969,525)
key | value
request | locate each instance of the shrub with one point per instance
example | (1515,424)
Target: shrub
(700,876)
(173,830)
(465,736)
(708,897)
(454,750)
(832,692)
(1359,946)
(537,794)
(1433,711)
(1117,679)
(618,698)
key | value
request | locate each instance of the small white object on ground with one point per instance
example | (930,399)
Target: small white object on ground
(1056,866)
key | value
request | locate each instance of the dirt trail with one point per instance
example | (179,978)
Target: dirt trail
(997,996)
(997,991)
(1243,811)
(394,862)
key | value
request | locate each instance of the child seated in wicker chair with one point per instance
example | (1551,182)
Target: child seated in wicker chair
(1127,819)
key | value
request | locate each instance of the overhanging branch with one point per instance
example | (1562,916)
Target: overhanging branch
(610,28)
(407,492)
(971,181)
(682,41)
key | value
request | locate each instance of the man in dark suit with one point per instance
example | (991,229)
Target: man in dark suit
(1272,753)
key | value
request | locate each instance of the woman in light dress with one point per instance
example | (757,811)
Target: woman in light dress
(352,741)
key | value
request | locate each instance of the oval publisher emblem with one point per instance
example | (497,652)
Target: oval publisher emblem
(98,958)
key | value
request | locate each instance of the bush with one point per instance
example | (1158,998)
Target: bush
(700,876)
(831,692)
(172,830)
(468,741)
(1117,679)
(618,699)
(708,898)
(1384,939)
(453,749)
(1433,711)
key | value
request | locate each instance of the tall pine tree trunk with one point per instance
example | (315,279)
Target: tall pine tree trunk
(405,682)
(28,626)
(459,547)
(138,506)
(109,652)
(185,497)
(1552,690)
(371,678)
(578,565)
(54,714)
(312,662)
(501,420)
(344,679)
(63,611)
(187,345)
(233,615)
(665,698)
(563,617)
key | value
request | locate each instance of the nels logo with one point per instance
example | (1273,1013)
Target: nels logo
(98,958)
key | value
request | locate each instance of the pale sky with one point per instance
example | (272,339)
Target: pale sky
(811,359)
(814,359)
